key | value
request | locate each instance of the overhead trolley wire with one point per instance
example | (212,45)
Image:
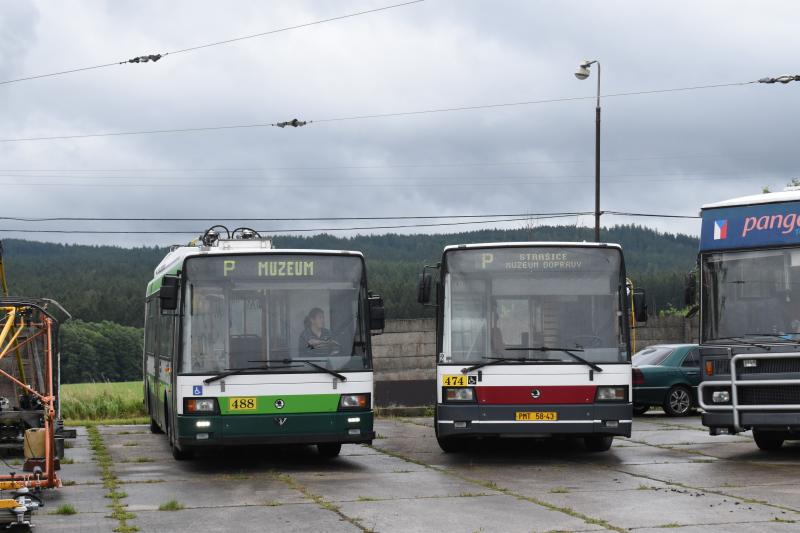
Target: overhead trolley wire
(370,116)
(156,57)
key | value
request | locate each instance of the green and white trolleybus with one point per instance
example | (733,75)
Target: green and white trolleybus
(249,345)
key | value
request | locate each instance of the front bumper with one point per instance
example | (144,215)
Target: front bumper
(236,430)
(499,420)
(783,421)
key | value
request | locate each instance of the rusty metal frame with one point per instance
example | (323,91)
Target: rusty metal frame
(17,313)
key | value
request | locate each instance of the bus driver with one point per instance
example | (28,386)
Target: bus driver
(316,339)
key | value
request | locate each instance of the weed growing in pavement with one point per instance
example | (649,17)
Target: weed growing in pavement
(110,482)
(559,490)
(65,509)
(172,505)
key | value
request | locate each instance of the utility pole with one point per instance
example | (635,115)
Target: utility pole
(582,73)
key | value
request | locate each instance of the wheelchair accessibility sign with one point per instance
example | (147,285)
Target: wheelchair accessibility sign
(197,390)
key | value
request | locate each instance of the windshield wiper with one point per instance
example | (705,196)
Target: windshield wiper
(781,336)
(738,340)
(571,353)
(318,367)
(497,360)
(232,371)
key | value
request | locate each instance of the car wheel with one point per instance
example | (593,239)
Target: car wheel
(598,443)
(768,440)
(639,410)
(678,401)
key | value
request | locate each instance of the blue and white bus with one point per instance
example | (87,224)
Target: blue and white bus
(750,317)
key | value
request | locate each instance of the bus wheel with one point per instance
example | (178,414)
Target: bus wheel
(154,426)
(452,445)
(177,453)
(678,401)
(329,450)
(598,443)
(768,440)
(639,410)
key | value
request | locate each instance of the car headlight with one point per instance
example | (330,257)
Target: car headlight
(612,394)
(354,401)
(200,405)
(459,394)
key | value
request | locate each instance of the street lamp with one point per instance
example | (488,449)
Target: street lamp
(583,73)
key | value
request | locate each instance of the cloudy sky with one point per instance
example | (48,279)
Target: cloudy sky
(663,153)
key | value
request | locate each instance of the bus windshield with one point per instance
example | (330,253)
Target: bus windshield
(516,302)
(749,293)
(274,311)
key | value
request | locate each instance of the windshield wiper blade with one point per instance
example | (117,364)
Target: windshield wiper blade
(739,340)
(232,371)
(569,352)
(497,360)
(318,367)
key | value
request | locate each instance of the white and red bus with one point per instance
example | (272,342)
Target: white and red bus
(533,339)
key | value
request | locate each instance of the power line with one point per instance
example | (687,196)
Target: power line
(462,183)
(363,117)
(351,167)
(493,217)
(277,219)
(273,231)
(156,57)
(343,179)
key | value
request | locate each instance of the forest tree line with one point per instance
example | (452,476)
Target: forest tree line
(103,286)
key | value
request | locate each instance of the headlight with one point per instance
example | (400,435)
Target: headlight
(612,394)
(354,401)
(750,363)
(199,405)
(459,394)
(720,396)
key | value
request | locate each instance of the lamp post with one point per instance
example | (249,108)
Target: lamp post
(583,73)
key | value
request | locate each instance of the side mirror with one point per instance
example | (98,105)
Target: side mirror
(168,294)
(690,290)
(424,288)
(377,313)
(639,306)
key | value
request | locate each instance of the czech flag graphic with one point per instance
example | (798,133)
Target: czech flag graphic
(720,230)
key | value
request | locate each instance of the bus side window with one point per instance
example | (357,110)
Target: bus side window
(165,336)
(151,325)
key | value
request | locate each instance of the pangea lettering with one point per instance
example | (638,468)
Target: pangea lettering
(276,269)
(786,223)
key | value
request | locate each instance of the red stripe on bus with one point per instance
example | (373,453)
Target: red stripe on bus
(574,394)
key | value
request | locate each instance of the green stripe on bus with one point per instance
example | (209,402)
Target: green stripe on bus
(259,405)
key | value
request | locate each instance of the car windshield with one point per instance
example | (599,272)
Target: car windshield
(751,293)
(270,310)
(515,301)
(654,355)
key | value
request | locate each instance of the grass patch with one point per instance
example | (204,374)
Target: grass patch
(172,505)
(65,509)
(67,461)
(101,401)
(67,483)
(272,503)
(559,490)
(139,420)
(783,520)
(366,499)
(110,482)
(670,525)
(138,460)
(130,444)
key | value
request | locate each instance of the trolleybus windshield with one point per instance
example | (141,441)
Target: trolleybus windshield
(751,293)
(274,312)
(501,302)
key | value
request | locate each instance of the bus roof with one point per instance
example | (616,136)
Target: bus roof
(175,258)
(790,195)
(532,244)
